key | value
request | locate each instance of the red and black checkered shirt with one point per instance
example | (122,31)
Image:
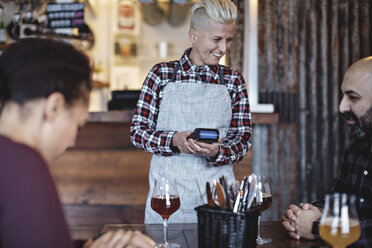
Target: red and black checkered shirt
(354,176)
(143,131)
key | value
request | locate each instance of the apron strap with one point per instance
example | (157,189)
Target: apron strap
(220,73)
(175,71)
(177,66)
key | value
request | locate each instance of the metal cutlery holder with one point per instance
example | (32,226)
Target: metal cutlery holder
(222,228)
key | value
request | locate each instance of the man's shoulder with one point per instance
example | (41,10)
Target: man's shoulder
(358,150)
(360,145)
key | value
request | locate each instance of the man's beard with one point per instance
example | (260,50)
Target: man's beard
(362,126)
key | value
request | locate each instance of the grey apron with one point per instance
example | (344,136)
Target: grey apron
(184,107)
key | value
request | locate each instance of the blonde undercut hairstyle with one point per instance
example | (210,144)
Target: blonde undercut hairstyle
(222,11)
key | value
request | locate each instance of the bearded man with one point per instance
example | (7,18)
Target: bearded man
(354,174)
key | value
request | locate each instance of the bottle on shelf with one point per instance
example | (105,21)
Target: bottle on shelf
(126,15)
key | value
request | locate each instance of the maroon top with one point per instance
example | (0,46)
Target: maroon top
(30,211)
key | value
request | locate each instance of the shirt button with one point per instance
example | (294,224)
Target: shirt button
(361,200)
(365,173)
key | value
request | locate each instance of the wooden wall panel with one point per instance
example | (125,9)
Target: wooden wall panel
(109,136)
(112,177)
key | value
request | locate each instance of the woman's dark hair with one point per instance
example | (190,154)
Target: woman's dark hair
(34,68)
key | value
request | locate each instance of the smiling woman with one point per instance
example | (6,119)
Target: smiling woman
(211,32)
(210,44)
(194,92)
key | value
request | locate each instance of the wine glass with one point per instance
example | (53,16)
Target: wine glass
(165,201)
(339,225)
(263,200)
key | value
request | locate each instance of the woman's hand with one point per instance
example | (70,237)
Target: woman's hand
(191,146)
(204,149)
(119,239)
(181,142)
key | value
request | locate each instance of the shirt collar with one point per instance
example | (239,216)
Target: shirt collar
(189,67)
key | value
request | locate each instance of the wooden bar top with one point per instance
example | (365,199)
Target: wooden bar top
(126,116)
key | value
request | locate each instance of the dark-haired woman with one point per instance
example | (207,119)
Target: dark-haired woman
(44,97)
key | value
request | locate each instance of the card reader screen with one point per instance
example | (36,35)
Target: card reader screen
(206,134)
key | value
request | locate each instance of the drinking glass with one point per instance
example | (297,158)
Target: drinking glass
(339,225)
(263,200)
(165,201)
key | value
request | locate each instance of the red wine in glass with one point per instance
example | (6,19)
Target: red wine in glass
(267,200)
(165,207)
(264,200)
(165,201)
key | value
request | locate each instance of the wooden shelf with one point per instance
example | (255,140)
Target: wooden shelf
(99,84)
(265,118)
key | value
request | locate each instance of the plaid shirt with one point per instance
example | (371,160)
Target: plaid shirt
(143,128)
(354,176)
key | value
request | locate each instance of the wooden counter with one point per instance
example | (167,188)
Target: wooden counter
(104,178)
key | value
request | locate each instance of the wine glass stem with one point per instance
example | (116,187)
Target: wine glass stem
(258,226)
(165,225)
